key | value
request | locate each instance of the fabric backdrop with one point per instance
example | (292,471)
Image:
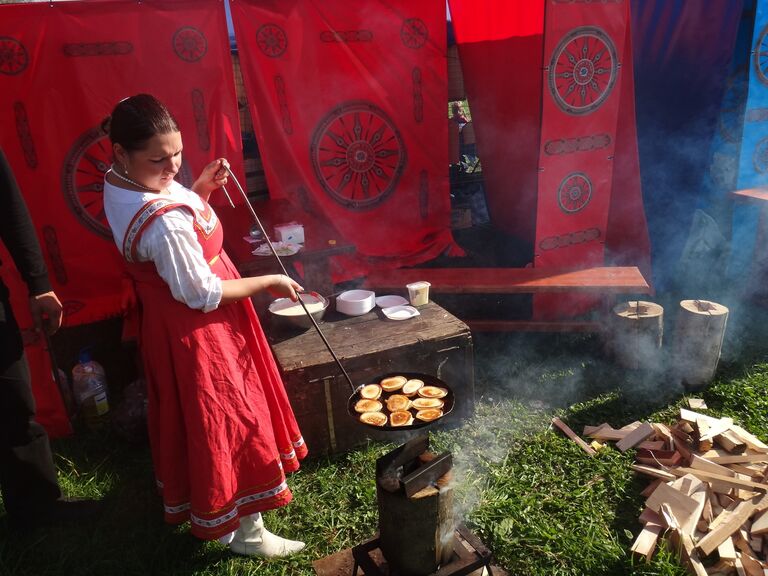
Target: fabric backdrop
(559,150)
(63,67)
(349,101)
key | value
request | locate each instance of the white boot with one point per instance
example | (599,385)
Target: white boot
(252,539)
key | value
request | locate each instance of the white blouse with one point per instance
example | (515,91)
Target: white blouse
(170,241)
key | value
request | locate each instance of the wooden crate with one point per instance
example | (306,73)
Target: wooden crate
(435,343)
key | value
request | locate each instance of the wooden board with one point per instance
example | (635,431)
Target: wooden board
(368,346)
(607,279)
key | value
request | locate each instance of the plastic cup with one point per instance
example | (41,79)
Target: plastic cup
(418,293)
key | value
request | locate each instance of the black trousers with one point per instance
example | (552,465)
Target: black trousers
(27,472)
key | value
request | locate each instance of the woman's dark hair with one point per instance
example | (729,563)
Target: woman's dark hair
(137,119)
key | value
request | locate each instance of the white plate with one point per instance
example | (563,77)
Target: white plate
(400,312)
(282,249)
(387,301)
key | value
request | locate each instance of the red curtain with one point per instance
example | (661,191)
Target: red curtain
(63,67)
(557,135)
(349,102)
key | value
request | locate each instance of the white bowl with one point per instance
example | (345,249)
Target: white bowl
(355,302)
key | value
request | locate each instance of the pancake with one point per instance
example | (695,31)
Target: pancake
(366,405)
(393,383)
(374,418)
(432,392)
(401,418)
(398,402)
(412,386)
(370,391)
(429,414)
(424,403)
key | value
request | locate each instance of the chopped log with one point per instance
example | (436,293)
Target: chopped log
(650,517)
(724,530)
(697,404)
(655,445)
(634,438)
(663,432)
(726,550)
(563,427)
(731,442)
(648,490)
(752,441)
(645,543)
(698,338)
(683,443)
(689,553)
(658,457)
(760,523)
(683,507)
(636,330)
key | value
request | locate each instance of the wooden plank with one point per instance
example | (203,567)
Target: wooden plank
(727,480)
(563,427)
(760,524)
(653,472)
(608,279)
(645,543)
(685,509)
(642,432)
(533,326)
(741,514)
(738,458)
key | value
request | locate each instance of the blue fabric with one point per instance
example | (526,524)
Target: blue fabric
(682,54)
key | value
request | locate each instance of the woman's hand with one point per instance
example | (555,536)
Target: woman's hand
(213,176)
(282,286)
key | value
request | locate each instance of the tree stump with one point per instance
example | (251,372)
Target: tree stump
(417,533)
(699,333)
(635,334)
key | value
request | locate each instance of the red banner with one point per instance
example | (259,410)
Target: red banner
(500,46)
(349,102)
(63,67)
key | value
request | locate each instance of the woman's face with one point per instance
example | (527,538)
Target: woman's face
(155,165)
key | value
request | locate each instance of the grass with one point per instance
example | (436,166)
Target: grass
(534,498)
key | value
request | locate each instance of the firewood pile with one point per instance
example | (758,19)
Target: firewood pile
(708,491)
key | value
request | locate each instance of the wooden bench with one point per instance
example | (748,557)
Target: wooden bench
(597,280)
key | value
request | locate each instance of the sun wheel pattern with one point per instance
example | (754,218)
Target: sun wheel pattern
(82,179)
(761,56)
(358,155)
(574,192)
(583,70)
(13,56)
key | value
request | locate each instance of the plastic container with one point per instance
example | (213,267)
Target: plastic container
(89,386)
(418,293)
(355,302)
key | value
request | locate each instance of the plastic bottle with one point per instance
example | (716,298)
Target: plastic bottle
(89,384)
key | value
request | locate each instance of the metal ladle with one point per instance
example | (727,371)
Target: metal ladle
(282,267)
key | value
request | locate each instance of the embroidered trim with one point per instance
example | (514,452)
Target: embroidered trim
(226,517)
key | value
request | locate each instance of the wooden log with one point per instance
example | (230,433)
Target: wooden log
(698,339)
(416,534)
(636,330)
(752,441)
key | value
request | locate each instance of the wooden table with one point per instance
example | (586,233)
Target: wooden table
(322,242)
(369,346)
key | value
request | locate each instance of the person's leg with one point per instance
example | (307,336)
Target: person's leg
(253,539)
(27,472)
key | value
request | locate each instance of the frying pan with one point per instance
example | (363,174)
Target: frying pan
(448,402)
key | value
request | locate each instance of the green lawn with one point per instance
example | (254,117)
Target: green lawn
(531,495)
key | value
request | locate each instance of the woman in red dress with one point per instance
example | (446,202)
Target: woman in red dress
(222,431)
